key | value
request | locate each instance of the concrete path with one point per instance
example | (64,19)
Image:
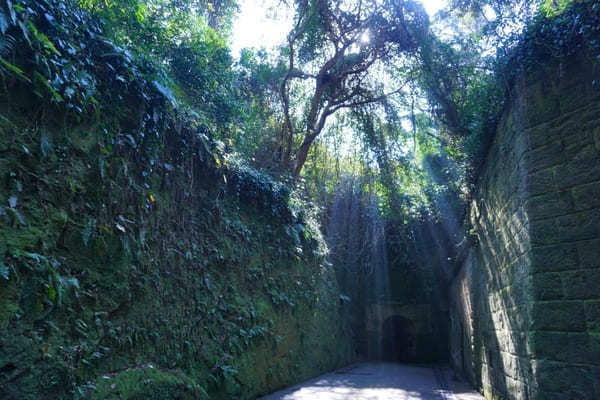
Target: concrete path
(381,381)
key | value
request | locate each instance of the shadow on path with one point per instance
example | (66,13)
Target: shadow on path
(381,381)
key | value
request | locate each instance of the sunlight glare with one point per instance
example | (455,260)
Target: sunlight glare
(265,23)
(365,37)
(259,25)
(433,6)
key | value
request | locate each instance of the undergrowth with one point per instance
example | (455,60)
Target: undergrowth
(136,258)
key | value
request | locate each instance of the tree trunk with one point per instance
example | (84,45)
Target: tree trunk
(301,156)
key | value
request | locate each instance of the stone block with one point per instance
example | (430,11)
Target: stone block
(580,146)
(515,181)
(575,96)
(592,315)
(513,341)
(545,232)
(588,252)
(545,157)
(561,346)
(549,205)
(581,284)
(593,348)
(558,257)
(584,225)
(586,196)
(577,171)
(515,389)
(596,372)
(516,295)
(547,286)
(521,145)
(542,104)
(558,316)
(543,395)
(540,182)
(569,381)
(520,220)
(541,135)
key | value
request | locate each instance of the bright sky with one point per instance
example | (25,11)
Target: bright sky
(256,27)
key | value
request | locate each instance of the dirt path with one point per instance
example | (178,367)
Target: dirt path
(381,381)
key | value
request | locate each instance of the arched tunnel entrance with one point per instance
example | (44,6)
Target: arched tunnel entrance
(404,333)
(398,339)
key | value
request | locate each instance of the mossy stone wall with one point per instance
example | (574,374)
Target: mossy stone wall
(525,305)
(184,279)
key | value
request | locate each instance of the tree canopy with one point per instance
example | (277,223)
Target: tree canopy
(337,56)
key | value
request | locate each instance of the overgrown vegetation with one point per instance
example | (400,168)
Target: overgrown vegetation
(470,77)
(137,257)
(164,208)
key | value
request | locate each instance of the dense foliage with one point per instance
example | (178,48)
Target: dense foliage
(138,257)
(142,166)
(469,77)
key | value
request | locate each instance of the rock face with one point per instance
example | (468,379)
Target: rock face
(136,261)
(525,306)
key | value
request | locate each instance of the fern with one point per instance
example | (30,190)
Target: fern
(7,47)
(7,42)
(6,66)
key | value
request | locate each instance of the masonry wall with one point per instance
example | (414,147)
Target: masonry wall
(525,305)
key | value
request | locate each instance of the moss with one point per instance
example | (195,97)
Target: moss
(115,264)
(104,280)
(147,383)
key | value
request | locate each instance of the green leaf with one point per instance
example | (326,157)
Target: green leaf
(42,38)
(45,145)
(16,70)
(40,78)
(3,23)
(165,91)
(11,10)
(69,282)
(16,215)
(4,271)
(88,230)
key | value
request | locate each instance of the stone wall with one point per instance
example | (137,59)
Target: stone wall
(525,306)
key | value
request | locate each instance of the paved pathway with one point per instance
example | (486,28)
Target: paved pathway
(381,381)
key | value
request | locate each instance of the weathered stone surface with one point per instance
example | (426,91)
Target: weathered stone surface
(577,172)
(558,316)
(545,232)
(561,346)
(581,284)
(547,286)
(581,226)
(554,258)
(546,156)
(588,253)
(526,305)
(586,197)
(593,348)
(549,205)
(592,315)
(541,104)
(540,182)
(568,381)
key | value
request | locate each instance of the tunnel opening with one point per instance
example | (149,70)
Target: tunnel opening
(398,340)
